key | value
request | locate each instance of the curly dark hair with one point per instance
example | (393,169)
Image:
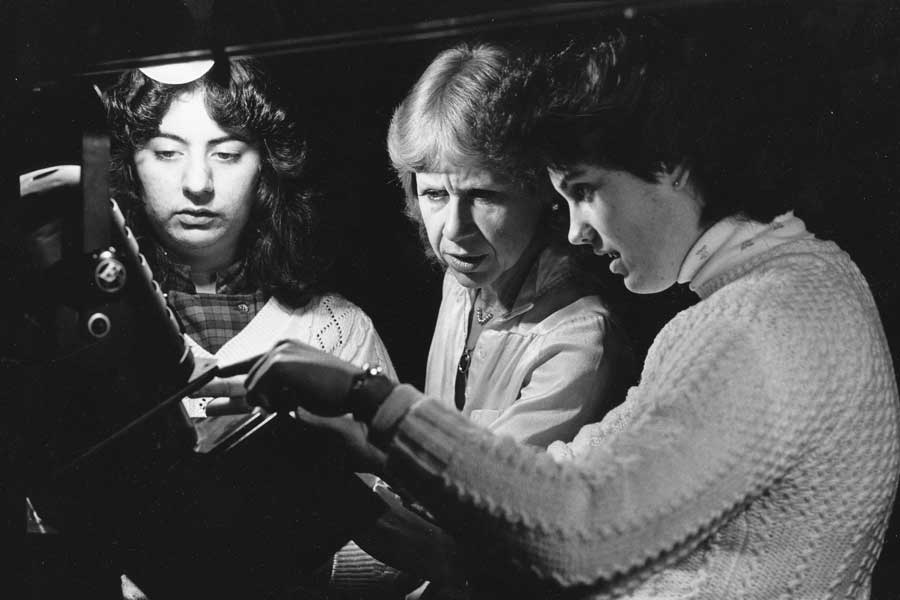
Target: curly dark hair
(641,98)
(284,244)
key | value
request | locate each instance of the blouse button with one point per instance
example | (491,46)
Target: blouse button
(242,307)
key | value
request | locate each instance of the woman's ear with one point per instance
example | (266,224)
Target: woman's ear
(677,176)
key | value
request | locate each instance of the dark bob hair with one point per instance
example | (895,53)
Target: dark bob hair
(642,99)
(283,245)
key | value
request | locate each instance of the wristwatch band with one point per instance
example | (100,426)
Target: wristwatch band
(370,387)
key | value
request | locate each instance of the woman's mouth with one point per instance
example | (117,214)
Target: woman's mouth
(463,263)
(196,217)
(616,265)
(615,260)
(610,254)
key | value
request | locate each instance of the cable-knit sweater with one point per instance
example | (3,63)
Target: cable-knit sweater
(757,458)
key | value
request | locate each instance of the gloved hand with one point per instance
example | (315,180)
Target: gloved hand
(315,385)
(294,375)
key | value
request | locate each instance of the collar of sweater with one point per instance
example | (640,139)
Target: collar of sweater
(734,241)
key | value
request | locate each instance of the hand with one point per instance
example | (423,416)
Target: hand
(224,396)
(294,374)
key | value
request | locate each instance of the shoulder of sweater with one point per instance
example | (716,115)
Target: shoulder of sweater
(796,279)
(802,259)
(800,298)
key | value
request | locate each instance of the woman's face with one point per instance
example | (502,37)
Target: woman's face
(479,223)
(646,228)
(199,184)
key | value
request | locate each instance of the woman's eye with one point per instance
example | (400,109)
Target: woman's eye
(433,195)
(485,199)
(166,154)
(482,196)
(227,156)
(582,192)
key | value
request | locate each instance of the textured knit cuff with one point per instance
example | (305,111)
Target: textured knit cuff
(430,435)
(392,410)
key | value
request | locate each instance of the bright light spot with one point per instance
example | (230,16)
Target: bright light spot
(178,73)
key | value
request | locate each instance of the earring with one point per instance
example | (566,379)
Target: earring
(555,207)
(677,183)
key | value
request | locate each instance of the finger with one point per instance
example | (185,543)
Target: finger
(295,346)
(327,422)
(283,351)
(278,352)
(260,368)
(224,386)
(273,390)
(292,373)
(227,406)
(239,368)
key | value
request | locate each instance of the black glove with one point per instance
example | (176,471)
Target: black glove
(293,374)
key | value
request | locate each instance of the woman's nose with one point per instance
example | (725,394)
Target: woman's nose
(579,231)
(458,218)
(197,181)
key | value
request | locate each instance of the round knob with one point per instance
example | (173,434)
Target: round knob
(98,325)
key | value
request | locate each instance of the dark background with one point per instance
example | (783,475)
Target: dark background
(347,64)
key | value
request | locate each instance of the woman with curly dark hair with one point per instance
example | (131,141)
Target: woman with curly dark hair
(211,175)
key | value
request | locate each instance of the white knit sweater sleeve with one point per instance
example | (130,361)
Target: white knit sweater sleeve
(714,424)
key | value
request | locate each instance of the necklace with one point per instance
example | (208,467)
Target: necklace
(483,316)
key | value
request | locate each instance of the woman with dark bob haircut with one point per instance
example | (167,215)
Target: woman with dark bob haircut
(758,455)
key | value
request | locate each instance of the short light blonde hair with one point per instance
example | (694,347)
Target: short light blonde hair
(446,122)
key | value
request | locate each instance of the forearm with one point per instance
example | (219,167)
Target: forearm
(481,486)
(651,494)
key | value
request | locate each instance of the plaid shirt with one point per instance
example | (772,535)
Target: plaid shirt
(213,319)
